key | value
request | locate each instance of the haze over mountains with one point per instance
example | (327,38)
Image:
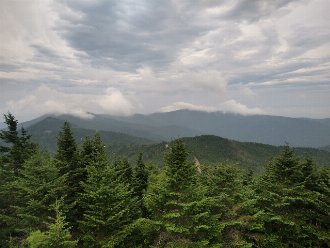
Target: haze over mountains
(206,148)
(272,130)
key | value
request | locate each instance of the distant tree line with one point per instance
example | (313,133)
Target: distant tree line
(77,198)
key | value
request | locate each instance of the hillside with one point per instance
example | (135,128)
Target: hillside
(45,134)
(206,148)
(212,149)
(273,130)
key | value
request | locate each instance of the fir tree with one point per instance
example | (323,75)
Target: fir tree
(58,235)
(36,188)
(67,161)
(109,206)
(177,203)
(17,149)
(291,211)
(140,182)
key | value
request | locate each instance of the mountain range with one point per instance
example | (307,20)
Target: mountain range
(241,141)
(272,130)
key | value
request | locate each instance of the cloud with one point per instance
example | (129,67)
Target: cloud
(50,100)
(162,52)
(231,106)
(184,105)
(236,107)
(115,103)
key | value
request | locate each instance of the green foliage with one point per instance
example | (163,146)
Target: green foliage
(183,204)
(291,204)
(179,204)
(67,161)
(58,235)
(109,206)
(37,188)
(17,148)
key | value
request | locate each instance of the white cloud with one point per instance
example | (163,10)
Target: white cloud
(114,102)
(236,107)
(50,100)
(184,105)
(231,106)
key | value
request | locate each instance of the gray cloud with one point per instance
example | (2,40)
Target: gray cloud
(243,53)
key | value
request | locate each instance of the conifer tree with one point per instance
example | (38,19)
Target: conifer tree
(58,235)
(283,201)
(124,171)
(67,161)
(109,207)
(37,188)
(17,149)
(140,182)
(177,203)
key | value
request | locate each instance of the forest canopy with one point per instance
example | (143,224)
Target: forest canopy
(78,197)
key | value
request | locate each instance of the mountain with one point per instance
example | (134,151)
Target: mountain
(206,148)
(213,149)
(46,130)
(157,127)
(325,148)
(265,129)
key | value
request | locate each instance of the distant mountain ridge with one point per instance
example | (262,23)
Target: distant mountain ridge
(206,148)
(273,130)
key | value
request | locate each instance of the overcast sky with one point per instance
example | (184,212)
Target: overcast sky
(141,56)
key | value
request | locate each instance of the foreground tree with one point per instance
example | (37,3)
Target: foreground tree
(179,205)
(17,148)
(140,183)
(68,164)
(37,188)
(58,235)
(291,209)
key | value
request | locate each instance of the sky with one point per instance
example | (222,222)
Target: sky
(124,57)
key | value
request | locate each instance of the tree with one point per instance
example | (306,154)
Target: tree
(67,161)
(58,235)
(109,206)
(36,188)
(17,149)
(140,182)
(178,203)
(291,209)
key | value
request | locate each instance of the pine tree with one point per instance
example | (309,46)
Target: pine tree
(109,207)
(58,235)
(140,182)
(291,210)
(37,187)
(17,149)
(124,172)
(67,161)
(177,203)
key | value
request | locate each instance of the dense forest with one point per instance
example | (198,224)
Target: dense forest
(78,197)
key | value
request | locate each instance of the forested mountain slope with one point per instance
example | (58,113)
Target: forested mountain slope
(206,148)
(273,130)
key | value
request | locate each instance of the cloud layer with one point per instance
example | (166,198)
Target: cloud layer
(123,57)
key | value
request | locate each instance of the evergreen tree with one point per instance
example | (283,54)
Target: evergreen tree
(37,188)
(291,211)
(140,182)
(124,172)
(67,161)
(109,207)
(177,203)
(58,235)
(93,152)
(17,149)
